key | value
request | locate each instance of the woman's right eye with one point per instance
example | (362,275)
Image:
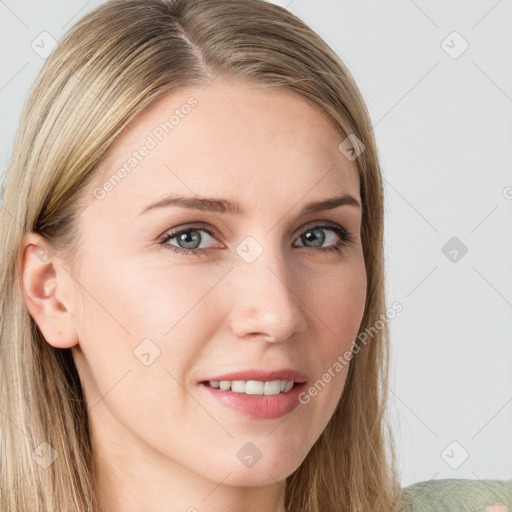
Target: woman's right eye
(186,236)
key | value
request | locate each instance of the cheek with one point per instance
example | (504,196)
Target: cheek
(339,302)
(144,319)
(148,299)
(337,305)
(139,332)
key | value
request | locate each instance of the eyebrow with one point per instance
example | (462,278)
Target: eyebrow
(210,204)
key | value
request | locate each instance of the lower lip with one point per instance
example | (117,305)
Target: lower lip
(258,406)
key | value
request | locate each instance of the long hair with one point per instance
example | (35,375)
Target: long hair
(112,64)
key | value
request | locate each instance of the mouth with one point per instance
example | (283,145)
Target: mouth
(255,399)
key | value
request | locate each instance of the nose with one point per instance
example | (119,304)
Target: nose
(266,304)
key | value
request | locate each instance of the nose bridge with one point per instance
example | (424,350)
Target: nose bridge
(266,302)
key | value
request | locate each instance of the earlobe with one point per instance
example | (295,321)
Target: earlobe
(44,285)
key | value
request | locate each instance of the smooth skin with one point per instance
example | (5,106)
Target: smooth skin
(163,444)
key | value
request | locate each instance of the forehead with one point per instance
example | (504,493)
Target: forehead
(233,137)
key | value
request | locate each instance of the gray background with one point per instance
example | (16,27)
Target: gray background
(444,130)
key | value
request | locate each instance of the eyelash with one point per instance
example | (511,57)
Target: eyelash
(346,239)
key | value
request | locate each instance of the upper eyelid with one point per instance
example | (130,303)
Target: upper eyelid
(188,227)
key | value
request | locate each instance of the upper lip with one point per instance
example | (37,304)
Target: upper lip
(287,374)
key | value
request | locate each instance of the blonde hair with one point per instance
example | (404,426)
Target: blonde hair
(112,64)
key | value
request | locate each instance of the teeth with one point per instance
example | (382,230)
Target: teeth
(253,387)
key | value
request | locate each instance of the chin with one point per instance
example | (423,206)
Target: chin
(259,475)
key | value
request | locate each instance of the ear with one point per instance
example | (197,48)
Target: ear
(46,287)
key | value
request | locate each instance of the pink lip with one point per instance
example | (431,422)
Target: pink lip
(257,406)
(262,375)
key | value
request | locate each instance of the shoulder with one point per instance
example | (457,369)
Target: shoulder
(458,495)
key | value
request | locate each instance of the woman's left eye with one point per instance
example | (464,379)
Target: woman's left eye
(190,238)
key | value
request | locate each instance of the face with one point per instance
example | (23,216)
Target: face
(173,296)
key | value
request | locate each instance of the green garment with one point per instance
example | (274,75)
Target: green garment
(458,495)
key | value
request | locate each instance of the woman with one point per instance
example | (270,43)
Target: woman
(193,260)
